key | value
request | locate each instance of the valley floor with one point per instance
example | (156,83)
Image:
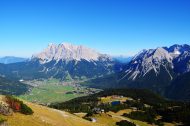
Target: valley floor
(53,90)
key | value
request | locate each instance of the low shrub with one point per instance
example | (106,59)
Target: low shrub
(18,106)
(125,123)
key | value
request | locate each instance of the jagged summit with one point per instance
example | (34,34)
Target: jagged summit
(176,49)
(64,61)
(169,59)
(67,51)
(148,60)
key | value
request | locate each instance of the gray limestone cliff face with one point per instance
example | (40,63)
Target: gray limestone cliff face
(67,51)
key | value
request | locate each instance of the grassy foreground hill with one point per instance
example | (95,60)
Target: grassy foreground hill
(44,116)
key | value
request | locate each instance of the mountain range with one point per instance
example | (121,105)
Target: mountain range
(156,69)
(64,61)
(164,70)
(12,59)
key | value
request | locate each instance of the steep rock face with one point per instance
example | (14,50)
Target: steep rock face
(149,60)
(68,52)
(75,62)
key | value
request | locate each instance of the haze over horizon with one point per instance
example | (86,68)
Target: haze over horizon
(113,27)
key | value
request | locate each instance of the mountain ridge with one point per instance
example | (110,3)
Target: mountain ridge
(152,59)
(68,52)
(12,59)
(154,69)
(63,61)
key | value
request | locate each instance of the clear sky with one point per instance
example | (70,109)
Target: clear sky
(109,26)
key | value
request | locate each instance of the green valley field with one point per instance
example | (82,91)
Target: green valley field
(53,90)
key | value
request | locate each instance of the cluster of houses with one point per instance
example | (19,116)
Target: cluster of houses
(98,110)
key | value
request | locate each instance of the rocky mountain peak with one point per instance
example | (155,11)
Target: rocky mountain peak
(176,50)
(161,54)
(174,58)
(148,60)
(67,51)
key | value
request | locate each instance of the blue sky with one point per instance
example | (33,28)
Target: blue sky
(109,26)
